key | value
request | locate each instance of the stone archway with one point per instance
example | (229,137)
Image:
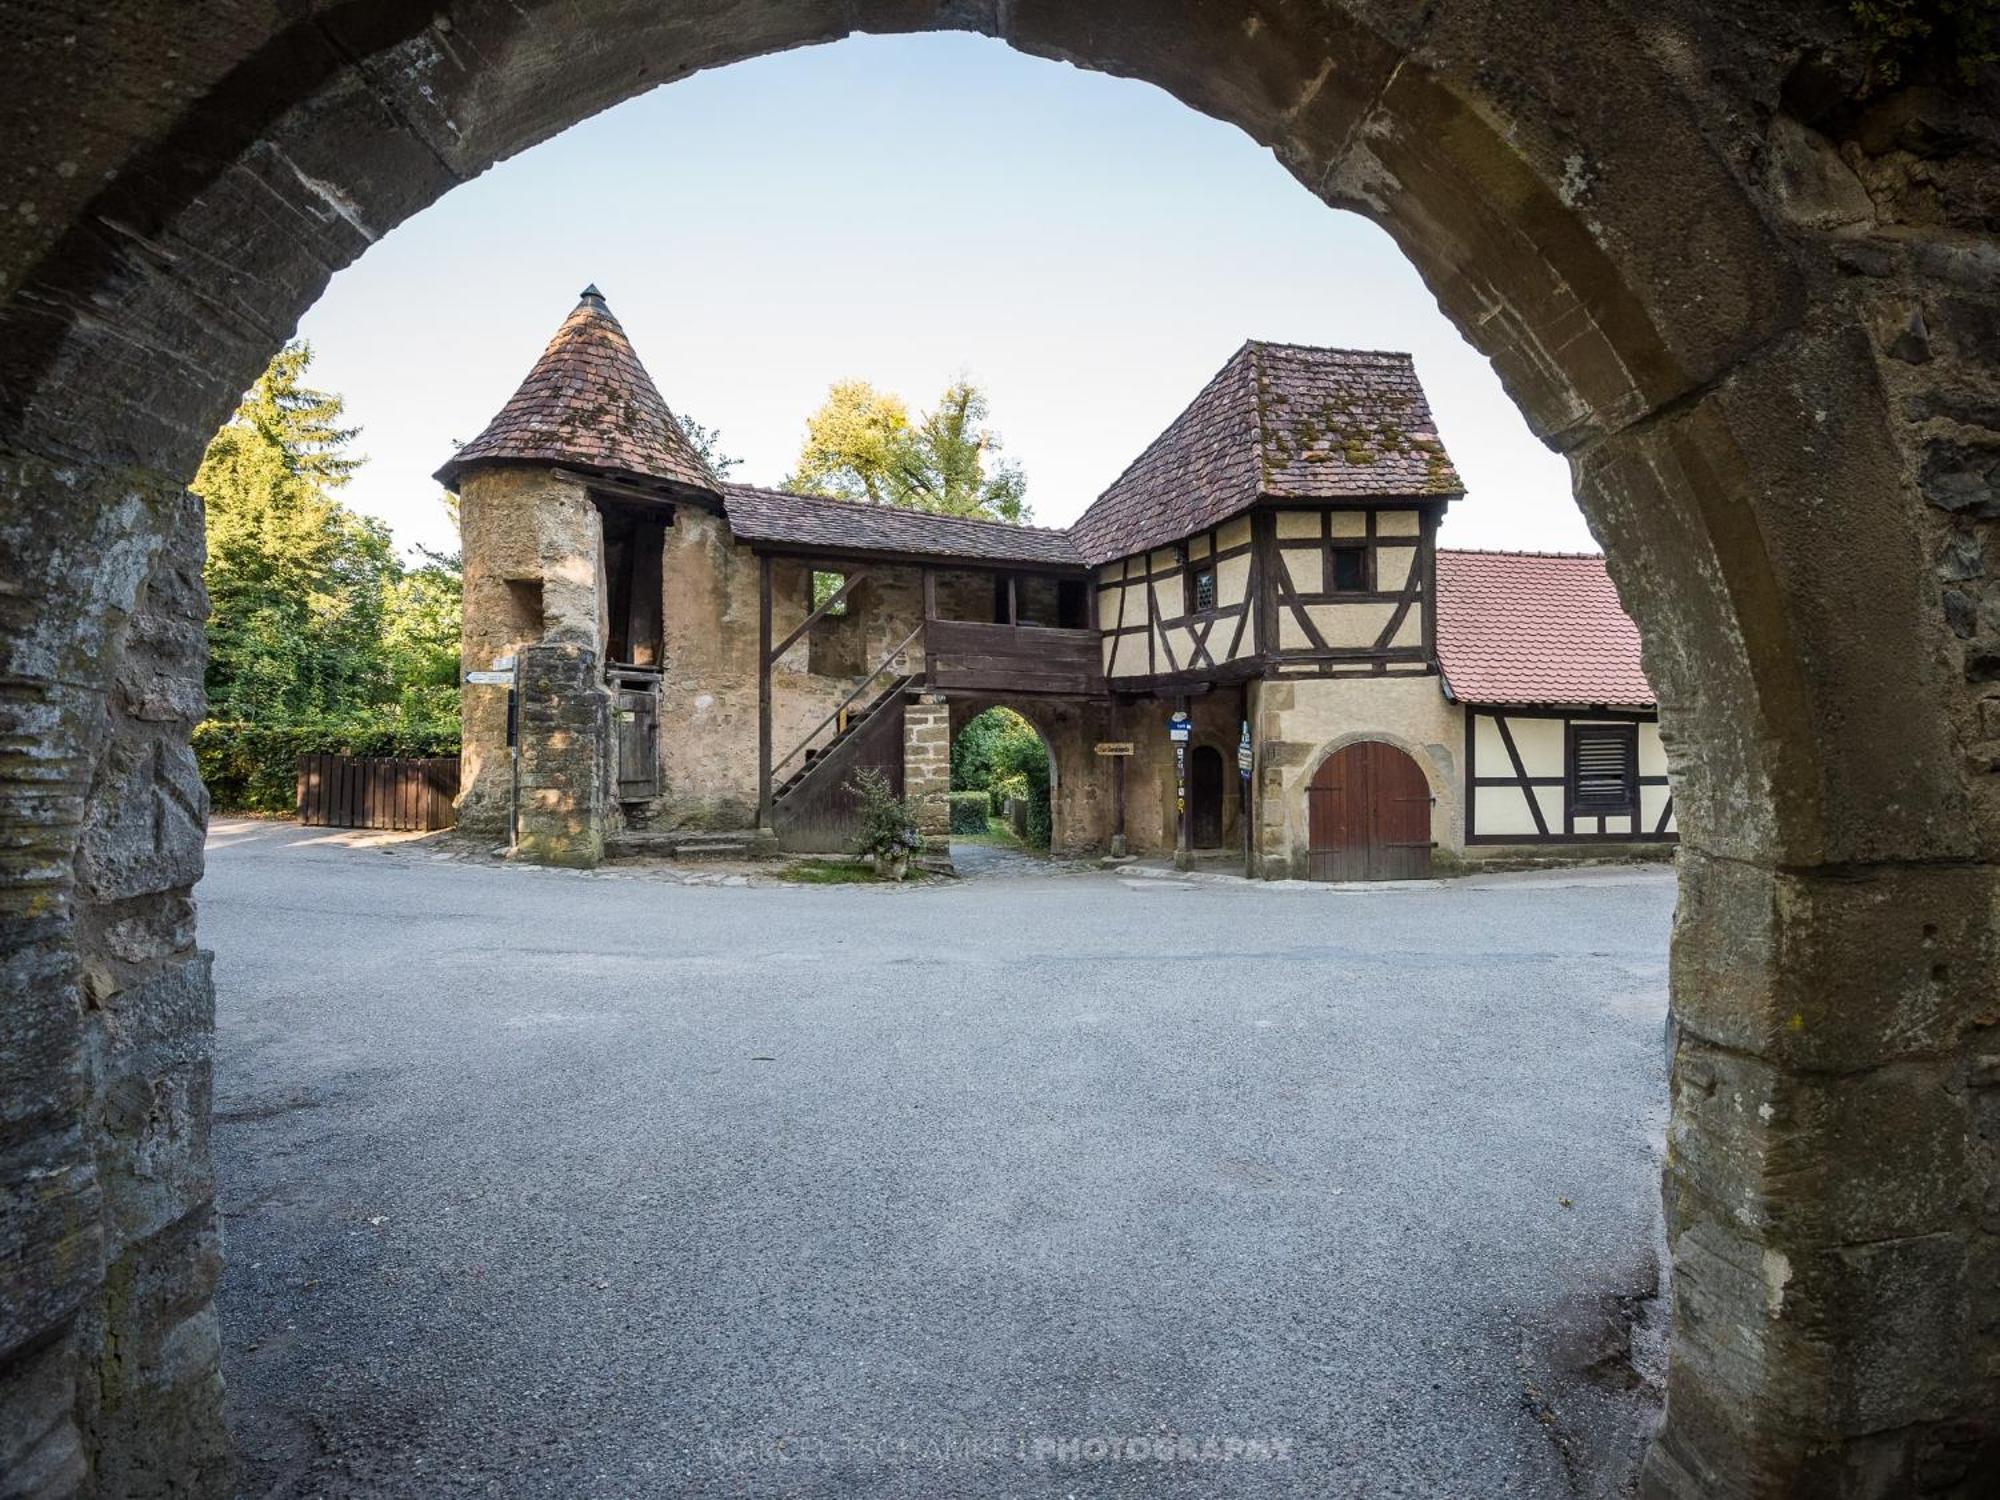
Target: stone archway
(1758,310)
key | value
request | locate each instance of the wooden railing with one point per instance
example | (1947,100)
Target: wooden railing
(968,656)
(882,673)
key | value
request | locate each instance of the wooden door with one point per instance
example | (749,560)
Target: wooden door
(637,709)
(1368,816)
(1205,797)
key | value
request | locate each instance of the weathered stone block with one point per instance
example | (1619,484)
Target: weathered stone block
(1834,972)
(1809,1160)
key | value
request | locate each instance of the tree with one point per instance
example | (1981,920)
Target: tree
(295,580)
(319,636)
(862,445)
(707,441)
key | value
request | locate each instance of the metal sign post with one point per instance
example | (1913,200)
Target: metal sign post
(506,672)
(1244,761)
(1180,729)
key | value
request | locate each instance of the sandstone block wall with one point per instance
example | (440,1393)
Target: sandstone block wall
(533,545)
(1296,724)
(927,763)
(108,1351)
(566,746)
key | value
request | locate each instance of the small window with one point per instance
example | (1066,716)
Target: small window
(824,587)
(1350,569)
(1603,768)
(1201,589)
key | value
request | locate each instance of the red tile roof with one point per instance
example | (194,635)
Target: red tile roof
(1536,628)
(761,515)
(588,402)
(1283,422)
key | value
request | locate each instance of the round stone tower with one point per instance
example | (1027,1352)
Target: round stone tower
(584,442)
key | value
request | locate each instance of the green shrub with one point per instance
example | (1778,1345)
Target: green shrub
(1041,820)
(254,767)
(888,822)
(969,811)
(1005,787)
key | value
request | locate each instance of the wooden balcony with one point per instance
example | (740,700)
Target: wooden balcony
(966,656)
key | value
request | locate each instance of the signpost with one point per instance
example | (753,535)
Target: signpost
(505,673)
(1180,728)
(1245,759)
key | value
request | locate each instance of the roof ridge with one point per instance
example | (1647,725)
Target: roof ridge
(903,510)
(1167,431)
(1400,354)
(1518,552)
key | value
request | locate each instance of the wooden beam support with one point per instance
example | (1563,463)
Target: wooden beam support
(837,598)
(764,691)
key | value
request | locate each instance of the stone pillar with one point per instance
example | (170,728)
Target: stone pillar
(927,764)
(109,1358)
(565,733)
(1830,1183)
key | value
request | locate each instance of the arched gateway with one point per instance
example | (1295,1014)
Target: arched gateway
(1736,263)
(1369,815)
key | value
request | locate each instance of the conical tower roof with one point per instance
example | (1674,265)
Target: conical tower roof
(588,402)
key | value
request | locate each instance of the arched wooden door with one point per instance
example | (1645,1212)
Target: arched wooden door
(1369,816)
(1205,797)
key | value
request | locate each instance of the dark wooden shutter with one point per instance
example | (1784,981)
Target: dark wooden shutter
(1603,768)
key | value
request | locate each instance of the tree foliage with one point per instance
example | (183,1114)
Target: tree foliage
(707,441)
(1960,36)
(862,444)
(314,621)
(1000,752)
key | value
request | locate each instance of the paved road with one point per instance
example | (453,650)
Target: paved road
(547,1185)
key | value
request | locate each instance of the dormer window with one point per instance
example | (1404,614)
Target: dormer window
(1350,569)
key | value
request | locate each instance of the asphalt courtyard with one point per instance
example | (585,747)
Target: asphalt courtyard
(538,1184)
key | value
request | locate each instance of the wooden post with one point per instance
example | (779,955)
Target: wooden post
(930,593)
(1118,807)
(1013,602)
(1184,832)
(764,691)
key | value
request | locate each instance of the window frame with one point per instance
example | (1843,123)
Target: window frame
(1627,733)
(1366,556)
(1191,577)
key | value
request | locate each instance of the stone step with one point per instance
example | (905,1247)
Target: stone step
(682,843)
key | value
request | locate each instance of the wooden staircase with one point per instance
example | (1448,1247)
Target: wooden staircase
(818,762)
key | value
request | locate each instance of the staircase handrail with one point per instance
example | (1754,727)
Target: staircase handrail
(840,708)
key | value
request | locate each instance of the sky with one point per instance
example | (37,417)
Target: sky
(903,210)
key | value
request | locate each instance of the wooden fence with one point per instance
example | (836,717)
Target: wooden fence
(377,791)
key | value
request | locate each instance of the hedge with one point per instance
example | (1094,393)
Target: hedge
(254,767)
(969,812)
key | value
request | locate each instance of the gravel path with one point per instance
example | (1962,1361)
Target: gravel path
(548,1185)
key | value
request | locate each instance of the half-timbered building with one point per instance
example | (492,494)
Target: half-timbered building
(1256,612)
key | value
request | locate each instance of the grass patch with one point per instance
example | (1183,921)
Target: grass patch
(997,832)
(830,872)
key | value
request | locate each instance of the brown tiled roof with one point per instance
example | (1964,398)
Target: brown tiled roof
(1283,422)
(1536,628)
(589,402)
(761,515)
